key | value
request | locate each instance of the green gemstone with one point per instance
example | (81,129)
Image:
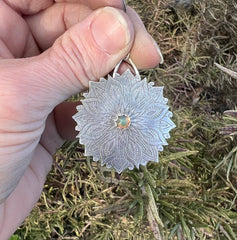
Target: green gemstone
(123,121)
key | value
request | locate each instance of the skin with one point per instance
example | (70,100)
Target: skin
(47,54)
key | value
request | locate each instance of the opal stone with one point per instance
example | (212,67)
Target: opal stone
(123,122)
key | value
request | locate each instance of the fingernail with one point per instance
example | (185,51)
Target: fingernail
(159,51)
(110,30)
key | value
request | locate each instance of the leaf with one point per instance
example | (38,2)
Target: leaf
(15,237)
(226,70)
(152,206)
(185,228)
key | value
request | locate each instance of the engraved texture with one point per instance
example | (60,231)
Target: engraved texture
(149,124)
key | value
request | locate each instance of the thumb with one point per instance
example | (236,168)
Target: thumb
(91,49)
(86,52)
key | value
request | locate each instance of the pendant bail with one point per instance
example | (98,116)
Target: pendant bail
(128,60)
(124,6)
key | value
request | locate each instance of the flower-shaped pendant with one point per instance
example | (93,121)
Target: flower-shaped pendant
(123,121)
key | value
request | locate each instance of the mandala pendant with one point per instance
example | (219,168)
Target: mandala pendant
(123,121)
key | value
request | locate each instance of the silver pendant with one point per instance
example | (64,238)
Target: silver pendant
(123,121)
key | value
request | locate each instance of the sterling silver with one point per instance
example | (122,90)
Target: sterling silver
(124,6)
(123,121)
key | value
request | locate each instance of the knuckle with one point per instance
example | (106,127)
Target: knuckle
(75,59)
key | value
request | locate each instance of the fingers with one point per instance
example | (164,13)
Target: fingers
(4,51)
(94,46)
(51,23)
(29,6)
(63,120)
(95,4)
(85,52)
(12,27)
(48,25)
(15,37)
(145,53)
(50,139)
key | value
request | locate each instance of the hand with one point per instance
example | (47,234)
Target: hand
(49,50)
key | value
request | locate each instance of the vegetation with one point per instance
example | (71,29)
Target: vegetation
(192,192)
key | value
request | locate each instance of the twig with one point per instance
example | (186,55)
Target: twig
(226,70)
(152,214)
(84,229)
(59,169)
(153,224)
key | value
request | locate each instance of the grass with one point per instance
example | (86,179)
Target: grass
(191,193)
